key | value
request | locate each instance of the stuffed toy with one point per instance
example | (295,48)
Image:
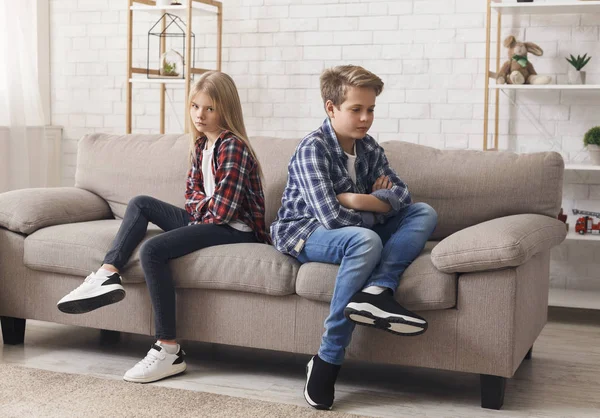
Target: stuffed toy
(518,69)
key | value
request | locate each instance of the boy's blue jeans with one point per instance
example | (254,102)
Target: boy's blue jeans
(376,257)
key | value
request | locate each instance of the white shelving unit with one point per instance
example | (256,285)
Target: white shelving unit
(582,167)
(198,8)
(156,81)
(545,87)
(501,8)
(567,298)
(140,75)
(546,7)
(582,173)
(574,236)
(575,173)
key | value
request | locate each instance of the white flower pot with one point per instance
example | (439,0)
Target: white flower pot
(594,151)
(162,3)
(576,77)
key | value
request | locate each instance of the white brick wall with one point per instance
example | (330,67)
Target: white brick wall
(429,53)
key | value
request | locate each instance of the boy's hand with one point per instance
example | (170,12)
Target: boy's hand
(382,182)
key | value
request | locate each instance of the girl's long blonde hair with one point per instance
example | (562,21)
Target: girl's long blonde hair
(221,88)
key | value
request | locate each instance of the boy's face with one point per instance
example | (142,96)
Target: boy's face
(355,116)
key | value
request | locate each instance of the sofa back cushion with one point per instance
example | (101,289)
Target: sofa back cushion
(274,155)
(157,165)
(119,167)
(467,187)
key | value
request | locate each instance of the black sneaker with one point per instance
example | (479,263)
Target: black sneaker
(383,312)
(320,382)
(96,291)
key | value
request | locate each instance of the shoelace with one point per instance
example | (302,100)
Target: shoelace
(151,358)
(93,277)
(88,279)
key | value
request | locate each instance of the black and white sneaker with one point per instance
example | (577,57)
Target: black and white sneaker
(96,291)
(383,312)
(157,365)
(320,383)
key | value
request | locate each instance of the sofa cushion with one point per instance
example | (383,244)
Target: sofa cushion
(27,210)
(275,169)
(78,249)
(160,164)
(422,287)
(499,243)
(153,165)
(467,187)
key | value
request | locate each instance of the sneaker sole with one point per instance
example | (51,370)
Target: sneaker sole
(306,397)
(394,325)
(87,305)
(157,378)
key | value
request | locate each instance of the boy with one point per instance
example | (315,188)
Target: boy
(344,205)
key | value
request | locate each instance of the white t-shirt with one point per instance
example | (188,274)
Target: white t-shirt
(209,184)
(351,164)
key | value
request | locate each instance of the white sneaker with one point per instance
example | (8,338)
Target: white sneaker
(96,291)
(157,365)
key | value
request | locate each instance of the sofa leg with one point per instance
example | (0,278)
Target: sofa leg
(492,391)
(13,330)
(528,355)
(109,337)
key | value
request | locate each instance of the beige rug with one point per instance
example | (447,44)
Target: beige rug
(26,392)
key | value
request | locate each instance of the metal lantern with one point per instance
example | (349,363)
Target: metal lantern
(171,47)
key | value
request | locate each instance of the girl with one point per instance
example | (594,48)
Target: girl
(224,205)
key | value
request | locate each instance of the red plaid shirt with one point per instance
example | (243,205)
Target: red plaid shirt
(238,190)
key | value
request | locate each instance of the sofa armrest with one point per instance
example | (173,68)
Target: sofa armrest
(27,210)
(503,242)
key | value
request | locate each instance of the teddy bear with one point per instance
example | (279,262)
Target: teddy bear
(518,69)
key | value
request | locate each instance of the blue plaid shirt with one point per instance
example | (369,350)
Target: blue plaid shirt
(317,173)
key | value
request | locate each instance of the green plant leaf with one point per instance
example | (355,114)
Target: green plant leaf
(585,62)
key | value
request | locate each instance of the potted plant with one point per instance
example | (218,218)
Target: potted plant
(576,76)
(591,140)
(171,64)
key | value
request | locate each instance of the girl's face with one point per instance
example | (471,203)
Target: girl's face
(204,116)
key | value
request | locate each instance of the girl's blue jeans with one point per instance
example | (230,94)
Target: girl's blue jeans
(178,240)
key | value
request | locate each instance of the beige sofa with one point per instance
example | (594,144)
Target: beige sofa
(482,282)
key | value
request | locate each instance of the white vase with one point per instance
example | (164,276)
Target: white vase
(594,151)
(162,3)
(576,77)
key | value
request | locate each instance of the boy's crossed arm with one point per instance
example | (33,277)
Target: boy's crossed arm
(367,202)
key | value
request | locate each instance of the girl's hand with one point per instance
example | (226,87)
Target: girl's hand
(382,182)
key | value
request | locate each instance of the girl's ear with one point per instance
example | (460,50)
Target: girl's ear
(329,107)
(510,41)
(534,49)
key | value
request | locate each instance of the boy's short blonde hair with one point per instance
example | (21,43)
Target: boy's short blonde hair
(336,80)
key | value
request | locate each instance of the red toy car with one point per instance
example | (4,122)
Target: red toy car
(585,224)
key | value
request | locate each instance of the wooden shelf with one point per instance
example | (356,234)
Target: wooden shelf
(582,167)
(545,87)
(548,7)
(158,80)
(574,236)
(198,8)
(582,299)
(188,9)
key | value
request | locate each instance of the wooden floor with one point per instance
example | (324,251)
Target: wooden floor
(561,380)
